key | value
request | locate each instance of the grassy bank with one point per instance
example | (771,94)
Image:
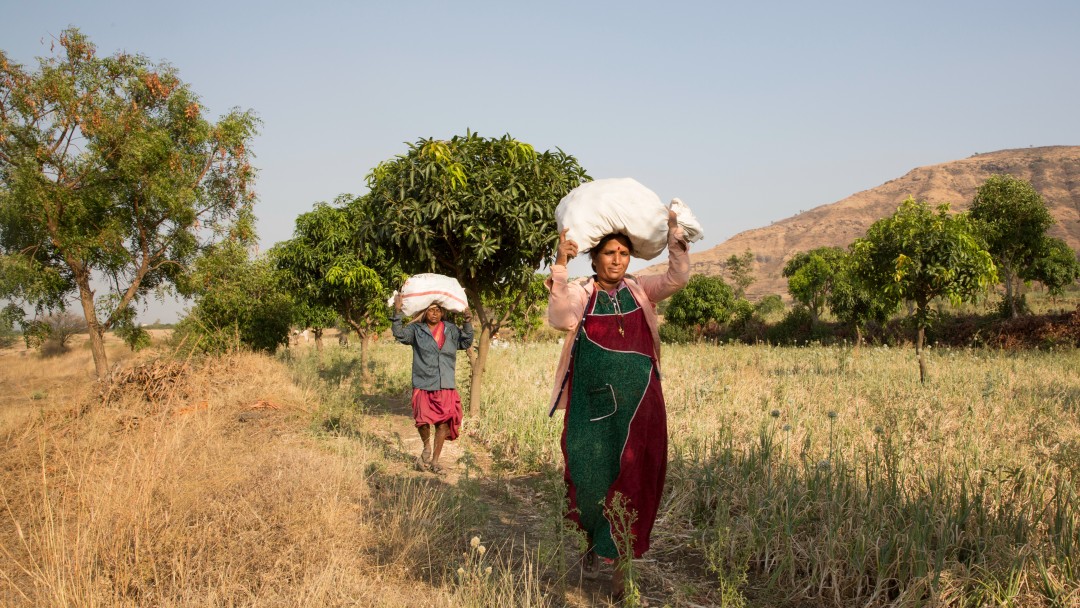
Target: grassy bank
(798,477)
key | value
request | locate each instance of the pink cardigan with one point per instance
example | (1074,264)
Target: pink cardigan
(567,301)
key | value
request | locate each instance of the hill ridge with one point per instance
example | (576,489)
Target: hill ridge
(1054,171)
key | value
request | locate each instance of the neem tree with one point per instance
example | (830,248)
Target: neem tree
(331,270)
(109,171)
(480,210)
(919,254)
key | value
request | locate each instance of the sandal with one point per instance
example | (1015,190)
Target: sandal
(425,456)
(590,565)
(437,469)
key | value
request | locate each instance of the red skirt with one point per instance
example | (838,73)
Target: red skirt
(435,407)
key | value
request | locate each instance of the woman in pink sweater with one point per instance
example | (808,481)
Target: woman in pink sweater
(614,438)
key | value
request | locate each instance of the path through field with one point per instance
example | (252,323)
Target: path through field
(516,507)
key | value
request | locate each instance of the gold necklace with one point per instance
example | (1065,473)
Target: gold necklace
(618,311)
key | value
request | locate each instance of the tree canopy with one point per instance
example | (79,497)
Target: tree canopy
(332,267)
(481,210)
(1013,219)
(239,302)
(853,301)
(704,300)
(110,172)
(919,254)
(810,276)
(741,269)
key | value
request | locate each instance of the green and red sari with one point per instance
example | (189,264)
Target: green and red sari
(615,427)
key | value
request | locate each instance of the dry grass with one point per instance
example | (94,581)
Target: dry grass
(242,481)
(832,477)
(799,477)
(147,503)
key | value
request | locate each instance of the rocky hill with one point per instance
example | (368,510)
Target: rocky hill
(1054,171)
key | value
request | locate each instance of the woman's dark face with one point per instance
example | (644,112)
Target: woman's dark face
(611,261)
(433,314)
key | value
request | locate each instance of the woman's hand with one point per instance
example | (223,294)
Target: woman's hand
(397,303)
(467,315)
(567,249)
(672,220)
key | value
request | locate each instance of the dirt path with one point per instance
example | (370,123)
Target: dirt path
(514,508)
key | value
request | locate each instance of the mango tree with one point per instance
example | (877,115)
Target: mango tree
(704,300)
(329,267)
(110,178)
(919,254)
(481,210)
(853,301)
(810,276)
(1013,219)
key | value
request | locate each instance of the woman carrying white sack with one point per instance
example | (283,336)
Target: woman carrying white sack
(435,400)
(614,439)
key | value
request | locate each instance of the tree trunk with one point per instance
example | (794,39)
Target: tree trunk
(96,331)
(920,352)
(1010,280)
(365,343)
(476,377)
(1010,297)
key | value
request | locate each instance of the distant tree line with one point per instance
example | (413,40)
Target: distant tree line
(918,256)
(114,187)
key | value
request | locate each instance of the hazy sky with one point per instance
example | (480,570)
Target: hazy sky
(749,112)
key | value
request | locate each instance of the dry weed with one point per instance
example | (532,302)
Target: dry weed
(204,508)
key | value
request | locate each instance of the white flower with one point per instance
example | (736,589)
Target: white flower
(487,570)
(475,542)
(461,571)
(481,549)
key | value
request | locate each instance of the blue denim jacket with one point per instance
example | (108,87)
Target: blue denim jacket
(432,369)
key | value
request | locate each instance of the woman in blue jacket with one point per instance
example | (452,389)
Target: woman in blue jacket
(435,400)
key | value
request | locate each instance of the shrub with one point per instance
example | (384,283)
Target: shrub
(796,326)
(675,334)
(771,304)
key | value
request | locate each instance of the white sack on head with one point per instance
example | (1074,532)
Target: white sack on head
(423,290)
(598,208)
(601,207)
(688,221)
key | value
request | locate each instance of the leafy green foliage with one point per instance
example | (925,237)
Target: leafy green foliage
(1012,218)
(675,334)
(526,317)
(480,210)
(133,334)
(239,303)
(108,170)
(704,300)
(333,268)
(810,276)
(10,316)
(769,305)
(1057,266)
(853,301)
(919,254)
(797,327)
